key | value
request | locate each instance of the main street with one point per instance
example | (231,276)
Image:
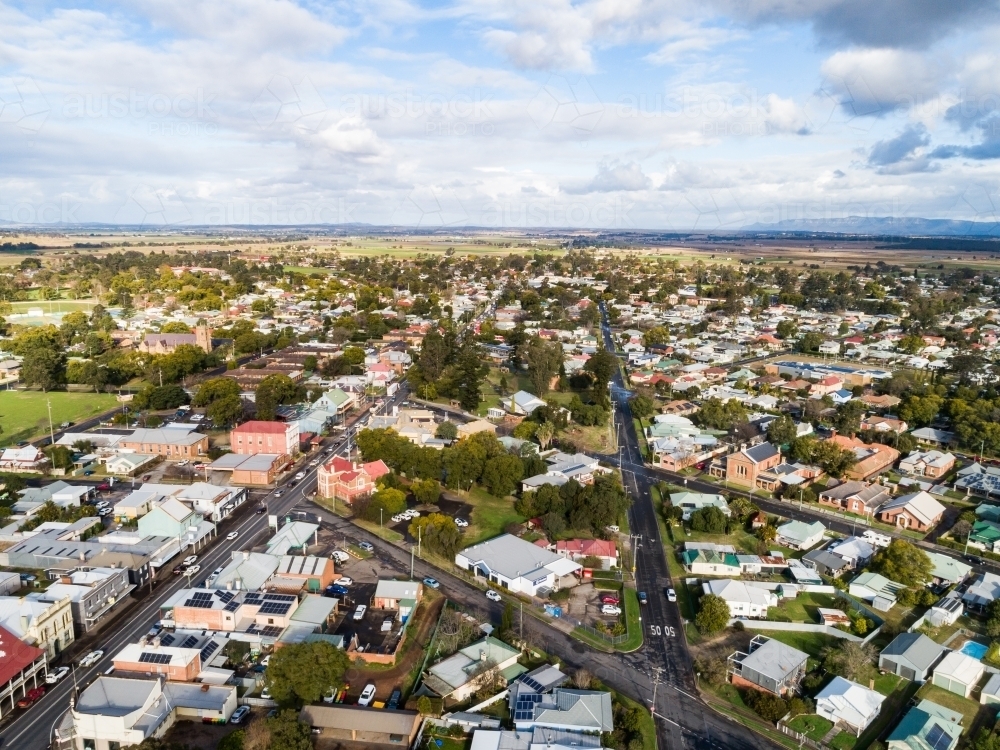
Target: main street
(32,729)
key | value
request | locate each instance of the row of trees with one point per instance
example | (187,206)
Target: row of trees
(590,508)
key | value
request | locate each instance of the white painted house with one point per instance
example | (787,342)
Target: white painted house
(743,600)
(516,565)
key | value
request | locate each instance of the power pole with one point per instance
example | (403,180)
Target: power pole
(52,433)
(656,682)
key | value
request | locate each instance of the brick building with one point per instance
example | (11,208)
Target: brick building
(276,438)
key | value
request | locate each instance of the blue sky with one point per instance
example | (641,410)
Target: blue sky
(616,114)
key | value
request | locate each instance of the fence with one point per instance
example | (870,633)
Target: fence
(798,627)
(797,736)
(488,702)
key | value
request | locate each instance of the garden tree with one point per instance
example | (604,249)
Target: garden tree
(354,355)
(810,342)
(967,366)
(175,326)
(463,463)
(713,614)
(961,529)
(903,562)
(656,335)
(642,407)
(470,373)
(710,520)
(447,430)
(781,431)
(852,660)
(40,337)
(236,651)
(720,416)
(502,473)
(160,397)
(272,392)
(424,705)
(787,329)
(589,414)
(911,344)
(544,434)
(507,619)
(543,359)
(214,389)
(488,678)
(232,741)
(985,740)
(185,360)
(582,679)
(400,454)
(426,491)
(438,533)
(310,363)
(60,456)
(87,372)
(526,430)
(768,706)
(286,731)
(435,353)
(993,619)
(920,410)
(382,505)
(847,420)
(602,365)
(767,533)
(301,673)
(834,460)
(225,411)
(43,368)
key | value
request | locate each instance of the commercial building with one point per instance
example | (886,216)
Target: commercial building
(363,725)
(258,470)
(519,566)
(93,593)
(345,480)
(278,438)
(22,668)
(167,442)
(48,625)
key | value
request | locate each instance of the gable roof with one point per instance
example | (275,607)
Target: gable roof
(916,648)
(761,452)
(920,505)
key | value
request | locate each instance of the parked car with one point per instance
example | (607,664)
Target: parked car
(330,695)
(53,677)
(266,694)
(189,560)
(610,599)
(493,596)
(610,609)
(261,511)
(461,523)
(366,546)
(239,715)
(185,462)
(432,583)
(300,475)
(265,661)
(671,595)
(345,581)
(387,624)
(193,570)
(155,630)
(340,556)
(31,696)
(643,599)
(359,613)
(335,591)
(91,659)
(232,535)
(367,695)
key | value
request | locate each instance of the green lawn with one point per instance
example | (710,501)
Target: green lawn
(55,306)
(812,726)
(801,609)
(887,683)
(383,532)
(489,515)
(844,741)
(811,643)
(968,708)
(24,414)
(632,614)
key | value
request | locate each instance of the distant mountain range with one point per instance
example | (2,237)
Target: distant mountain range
(884,225)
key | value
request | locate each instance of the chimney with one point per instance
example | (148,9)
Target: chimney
(482,654)
(246,554)
(156,641)
(25,622)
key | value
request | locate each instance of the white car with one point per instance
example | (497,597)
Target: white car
(414,513)
(367,695)
(398,517)
(265,693)
(232,535)
(461,523)
(366,546)
(610,609)
(344,581)
(91,659)
(192,570)
(53,677)
(340,556)
(189,560)
(300,475)
(265,661)
(185,462)
(314,463)
(359,613)
(493,596)
(330,695)
(671,595)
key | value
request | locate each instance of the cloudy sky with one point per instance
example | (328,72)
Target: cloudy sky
(620,114)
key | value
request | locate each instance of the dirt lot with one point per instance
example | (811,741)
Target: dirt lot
(449,507)
(204,736)
(724,646)
(584,605)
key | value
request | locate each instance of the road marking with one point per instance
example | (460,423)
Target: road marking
(683,693)
(661,716)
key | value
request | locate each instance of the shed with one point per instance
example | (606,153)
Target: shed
(958,673)
(911,656)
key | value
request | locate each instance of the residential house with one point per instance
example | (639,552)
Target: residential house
(458,676)
(256,436)
(884,424)
(849,704)
(933,437)
(115,712)
(27,459)
(990,694)
(926,726)
(743,467)
(711,562)
(770,666)
(932,464)
(947,571)
(984,589)
(578,711)
(692,501)
(580,549)
(364,725)
(471,428)
(946,610)
(523,403)
(22,669)
(800,535)
(875,589)
(345,480)
(744,600)
(826,563)
(562,467)
(856,551)
(958,673)
(171,442)
(911,656)
(872,458)
(856,497)
(516,565)
(918,511)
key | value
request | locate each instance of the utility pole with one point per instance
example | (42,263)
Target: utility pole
(656,682)
(52,433)
(411,562)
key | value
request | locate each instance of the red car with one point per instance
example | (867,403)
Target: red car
(31,696)
(609,599)
(104,487)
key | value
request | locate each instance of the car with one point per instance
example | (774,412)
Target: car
(610,599)
(155,630)
(314,462)
(178,570)
(367,695)
(345,581)
(272,713)
(366,546)
(300,475)
(105,512)
(340,556)
(493,596)
(189,560)
(217,572)
(185,462)
(88,473)
(414,513)
(359,613)
(292,483)
(53,677)
(260,511)
(266,693)
(330,695)
(613,529)
(197,417)
(239,715)
(146,477)
(232,535)
(394,699)
(387,624)
(461,523)
(193,570)
(671,595)
(432,583)
(265,661)
(198,466)
(335,591)
(643,599)
(105,487)
(610,609)
(64,425)
(279,493)
(397,518)
(31,696)
(91,659)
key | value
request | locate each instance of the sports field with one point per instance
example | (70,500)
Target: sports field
(24,414)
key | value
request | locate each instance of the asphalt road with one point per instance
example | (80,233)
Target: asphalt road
(32,729)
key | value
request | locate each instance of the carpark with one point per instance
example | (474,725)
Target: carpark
(451,508)
(368,630)
(584,604)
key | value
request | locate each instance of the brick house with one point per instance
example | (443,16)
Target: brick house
(276,438)
(873,458)
(918,511)
(855,497)
(171,443)
(346,480)
(743,467)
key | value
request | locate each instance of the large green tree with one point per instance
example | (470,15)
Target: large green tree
(43,368)
(543,359)
(272,392)
(713,614)
(502,474)
(301,673)
(904,563)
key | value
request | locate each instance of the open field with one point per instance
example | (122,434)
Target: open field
(24,414)
(53,306)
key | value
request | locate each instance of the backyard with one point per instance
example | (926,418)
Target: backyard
(24,414)
(490,515)
(968,708)
(802,608)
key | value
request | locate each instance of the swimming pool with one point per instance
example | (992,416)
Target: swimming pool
(975,650)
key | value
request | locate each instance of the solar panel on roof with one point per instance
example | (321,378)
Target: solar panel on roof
(280,597)
(209,649)
(147,657)
(232,606)
(166,640)
(226,596)
(275,608)
(189,641)
(199,603)
(201,595)
(532,683)
(937,738)
(270,631)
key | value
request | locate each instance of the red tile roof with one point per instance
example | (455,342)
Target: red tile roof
(596,547)
(15,655)
(256,426)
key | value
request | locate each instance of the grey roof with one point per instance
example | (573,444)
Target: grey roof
(826,559)
(585,709)
(916,648)
(396,589)
(929,433)
(761,452)
(775,659)
(510,556)
(254,462)
(360,718)
(114,696)
(164,437)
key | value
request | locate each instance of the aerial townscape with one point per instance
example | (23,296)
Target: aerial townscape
(481,375)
